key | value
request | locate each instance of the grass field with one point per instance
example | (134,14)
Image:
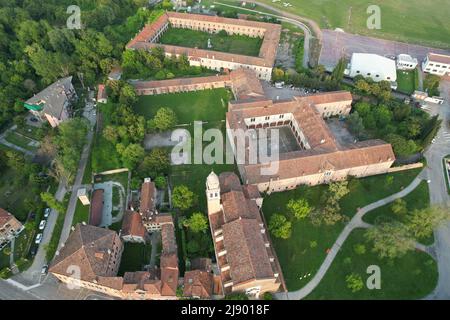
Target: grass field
(305,251)
(135,256)
(412,276)
(419,198)
(407,81)
(236,44)
(206,105)
(81,213)
(402,20)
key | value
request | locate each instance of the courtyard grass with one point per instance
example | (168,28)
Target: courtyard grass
(419,198)
(135,256)
(407,81)
(412,276)
(301,256)
(222,42)
(205,105)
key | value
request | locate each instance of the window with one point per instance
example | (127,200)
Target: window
(252,120)
(357,71)
(267,118)
(368,73)
(281,116)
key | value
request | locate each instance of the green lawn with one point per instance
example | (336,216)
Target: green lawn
(407,81)
(236,44)
(135,256)
(4,259)
(81,213)
(20,141)
(305,251)
(52,246)
(205,105)
(412,276)
(419,198)
(400,19)
(30,131)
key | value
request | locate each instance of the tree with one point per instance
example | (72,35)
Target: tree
(183,198)
(280,226)
(338,71)
(197,222)
(354,282)
(164,119)
(299,208)
(131,155)
(399,207)
(15,160)
(128,95)
(390,240)
(110,134)
(51,201)
(277,74)
(401,146)
(156,162)
(355,124)
(160,182)
(422,222)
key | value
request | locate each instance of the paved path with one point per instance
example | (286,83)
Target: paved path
(77,184)
(298,21)
(439,195)
(355,222)
(33,273)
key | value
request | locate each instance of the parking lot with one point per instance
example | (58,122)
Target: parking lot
(337,44)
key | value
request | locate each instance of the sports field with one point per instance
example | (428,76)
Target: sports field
(424,22)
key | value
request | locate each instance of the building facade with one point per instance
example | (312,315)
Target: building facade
(437,64)
(262,64)
(406,62)
(373,66)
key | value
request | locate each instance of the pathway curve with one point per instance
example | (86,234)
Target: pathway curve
(355,222)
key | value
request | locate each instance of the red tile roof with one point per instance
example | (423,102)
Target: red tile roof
(96,209)
(198,284)
(132,225)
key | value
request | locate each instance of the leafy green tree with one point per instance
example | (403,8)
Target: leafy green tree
(156,162)
(354,282)
(280,227)
(51,201)
(160,182)
(131,154)
(15,160)
(197,222)
(164,119)
(277,74)
(401,146)
(128,95)
(355,124)
(183,198)
(422,222)
(110,134)
(390,240)
(399,207)
(299,208)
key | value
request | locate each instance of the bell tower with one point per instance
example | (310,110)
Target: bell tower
(213,193)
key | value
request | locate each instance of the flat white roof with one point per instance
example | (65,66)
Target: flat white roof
(374,64)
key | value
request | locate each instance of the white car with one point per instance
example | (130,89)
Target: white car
(42,224)
(38,238)
(47,212)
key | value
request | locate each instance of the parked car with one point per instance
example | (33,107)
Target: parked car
(47,212)
(38,238)
(33,251)
(42,224)
(44,269)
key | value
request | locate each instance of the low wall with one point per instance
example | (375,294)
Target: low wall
(406,167)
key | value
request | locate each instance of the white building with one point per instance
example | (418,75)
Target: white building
(437,64)
(372,66)
(83,195)
(406,62)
